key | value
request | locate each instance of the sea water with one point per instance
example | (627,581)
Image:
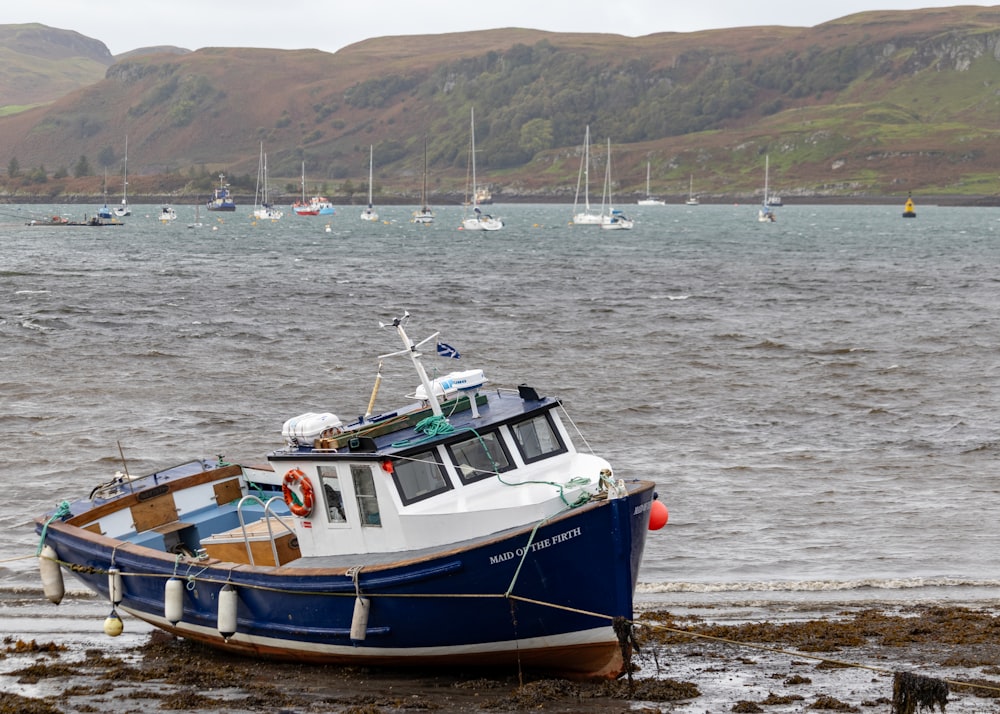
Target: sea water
(816,399)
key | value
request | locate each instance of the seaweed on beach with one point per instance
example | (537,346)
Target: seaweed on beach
(20,647)
(917,625)
(36,672)
(828,703)
(11,703)
(910,691)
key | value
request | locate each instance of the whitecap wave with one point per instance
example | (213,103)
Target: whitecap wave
(777,586)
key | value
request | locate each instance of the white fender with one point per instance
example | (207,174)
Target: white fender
(173,600)
(228,600)
(51,574)
(113,625)
(115,586)
(359,622)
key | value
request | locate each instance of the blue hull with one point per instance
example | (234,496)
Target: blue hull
(542,599)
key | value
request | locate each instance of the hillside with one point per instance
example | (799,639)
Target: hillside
(39,64)
(873,104)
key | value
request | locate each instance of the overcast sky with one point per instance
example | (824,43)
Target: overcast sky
(328,25)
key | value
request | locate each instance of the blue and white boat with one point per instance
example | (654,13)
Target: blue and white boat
(222,198)
(104,213)
(462,529)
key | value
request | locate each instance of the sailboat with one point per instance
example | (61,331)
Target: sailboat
(478,221)
(614,219)
(315,206)
(650,200)
(265,210)
(765,214)
(197,217)
(370,214)
(104,213)
(425,214)
(585,217)
(124,209)
(692,200)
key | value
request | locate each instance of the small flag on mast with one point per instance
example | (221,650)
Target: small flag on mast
(447,351)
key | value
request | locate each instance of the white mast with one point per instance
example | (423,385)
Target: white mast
(411,350)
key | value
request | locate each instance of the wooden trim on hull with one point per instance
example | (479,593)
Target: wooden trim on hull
(580,661)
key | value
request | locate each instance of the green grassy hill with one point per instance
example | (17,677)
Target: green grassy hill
(874,104)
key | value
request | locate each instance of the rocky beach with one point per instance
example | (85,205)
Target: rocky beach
(863,658)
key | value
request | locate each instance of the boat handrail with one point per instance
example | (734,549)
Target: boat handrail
(267,521)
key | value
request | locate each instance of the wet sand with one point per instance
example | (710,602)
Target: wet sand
(845,661)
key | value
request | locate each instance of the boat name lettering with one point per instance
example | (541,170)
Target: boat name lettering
(153,492)
(642,508)
(537,545)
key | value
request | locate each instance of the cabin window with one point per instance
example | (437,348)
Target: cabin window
(537,438)
(332,496)
(419,476)
(480,457)
(364,492)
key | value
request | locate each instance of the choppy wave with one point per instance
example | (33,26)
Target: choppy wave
(785,586)
(806,413)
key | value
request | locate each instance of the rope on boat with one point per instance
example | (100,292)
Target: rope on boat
(61,512)
(432,426)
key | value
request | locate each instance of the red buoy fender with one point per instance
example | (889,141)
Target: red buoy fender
(657,515)
(295,479)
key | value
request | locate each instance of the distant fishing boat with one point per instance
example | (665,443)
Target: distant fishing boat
(222,199)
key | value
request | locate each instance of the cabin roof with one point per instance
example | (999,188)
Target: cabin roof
(398,432)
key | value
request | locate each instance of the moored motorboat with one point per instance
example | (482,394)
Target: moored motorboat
(222,198)
(462,529)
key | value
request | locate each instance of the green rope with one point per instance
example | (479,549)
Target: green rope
(575,481)
(61,512)
(432,426)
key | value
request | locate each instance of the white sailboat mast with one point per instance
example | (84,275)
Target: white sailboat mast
(472,145)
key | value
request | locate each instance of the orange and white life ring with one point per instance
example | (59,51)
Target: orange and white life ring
(296,479)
